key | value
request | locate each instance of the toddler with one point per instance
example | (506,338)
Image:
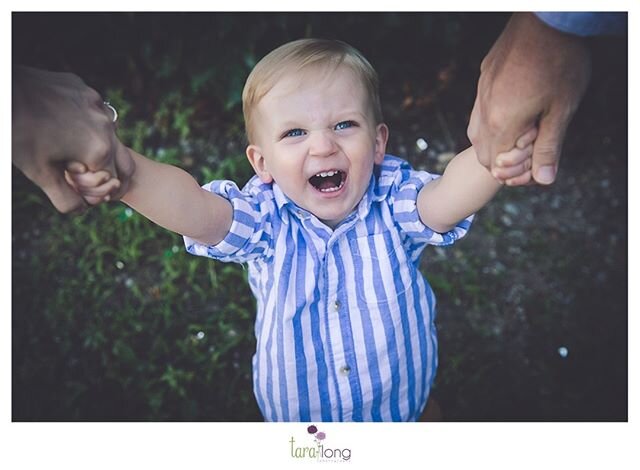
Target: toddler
(331,229)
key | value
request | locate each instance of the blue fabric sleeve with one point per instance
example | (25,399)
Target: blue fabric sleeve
(250,234)
(586,23)
(404,196)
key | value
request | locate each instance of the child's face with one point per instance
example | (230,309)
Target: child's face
(317,139)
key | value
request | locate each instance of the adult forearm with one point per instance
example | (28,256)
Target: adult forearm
(171,198)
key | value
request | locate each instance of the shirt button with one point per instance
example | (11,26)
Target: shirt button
(336,305)
(344,370)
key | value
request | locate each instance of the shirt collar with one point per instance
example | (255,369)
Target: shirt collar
(374,193)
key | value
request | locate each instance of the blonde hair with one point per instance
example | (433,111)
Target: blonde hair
(299,55)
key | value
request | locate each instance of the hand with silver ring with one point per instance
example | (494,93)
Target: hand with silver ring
(56,120)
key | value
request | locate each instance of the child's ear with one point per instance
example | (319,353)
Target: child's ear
(256,158)
(382,135)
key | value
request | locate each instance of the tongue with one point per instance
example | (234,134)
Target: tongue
(326,182)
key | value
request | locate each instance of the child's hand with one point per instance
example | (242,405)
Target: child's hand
(514,166)
(94,186)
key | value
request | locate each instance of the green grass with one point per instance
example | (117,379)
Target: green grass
(132,326)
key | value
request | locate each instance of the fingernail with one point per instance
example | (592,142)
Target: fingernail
(546,174)
(107,198)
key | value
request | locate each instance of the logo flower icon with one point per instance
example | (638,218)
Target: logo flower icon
(320,436)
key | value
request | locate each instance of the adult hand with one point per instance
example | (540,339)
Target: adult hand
(533,75)
(56,119)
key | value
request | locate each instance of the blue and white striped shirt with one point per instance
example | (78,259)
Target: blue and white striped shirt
(345,322)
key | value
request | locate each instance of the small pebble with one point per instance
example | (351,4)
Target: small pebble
(422,144)
(506,220)
(511,209)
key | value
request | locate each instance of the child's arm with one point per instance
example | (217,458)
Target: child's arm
(171,198)
(166,195)
(464,188)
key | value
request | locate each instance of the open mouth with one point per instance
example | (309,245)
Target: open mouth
(328,181)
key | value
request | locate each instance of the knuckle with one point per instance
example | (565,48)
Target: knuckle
(103,123)
(92,96)
(72,78)
(546,154)
(98,153)
(472,133)
(496,121)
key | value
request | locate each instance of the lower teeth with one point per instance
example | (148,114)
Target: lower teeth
(331,190)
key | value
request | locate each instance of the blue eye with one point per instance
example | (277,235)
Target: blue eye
(345,125)
(293,133)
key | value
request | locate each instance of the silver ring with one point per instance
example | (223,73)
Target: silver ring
(115,113)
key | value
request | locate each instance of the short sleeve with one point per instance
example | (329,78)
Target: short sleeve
(250,234)
(404,195)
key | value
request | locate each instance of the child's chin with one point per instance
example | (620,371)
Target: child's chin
(331,218)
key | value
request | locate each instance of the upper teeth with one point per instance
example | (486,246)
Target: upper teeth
(324,174)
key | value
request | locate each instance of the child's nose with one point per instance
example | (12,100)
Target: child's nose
(322,143)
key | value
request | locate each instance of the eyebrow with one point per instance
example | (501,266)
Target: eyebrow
(294,124)
(288,125)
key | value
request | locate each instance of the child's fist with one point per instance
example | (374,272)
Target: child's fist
(94,186)
(513,167)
